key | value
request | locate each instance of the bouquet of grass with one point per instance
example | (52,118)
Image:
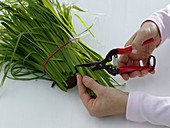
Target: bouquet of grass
(30,33)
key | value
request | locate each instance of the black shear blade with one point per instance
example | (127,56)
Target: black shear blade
(92,65)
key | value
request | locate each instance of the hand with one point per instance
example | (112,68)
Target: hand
(109,101)
(147,31)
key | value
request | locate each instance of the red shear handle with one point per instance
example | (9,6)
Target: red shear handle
(128,69)
(129,48)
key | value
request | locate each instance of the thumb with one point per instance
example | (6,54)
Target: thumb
(92,84)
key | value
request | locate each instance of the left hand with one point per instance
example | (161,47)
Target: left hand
(109,101)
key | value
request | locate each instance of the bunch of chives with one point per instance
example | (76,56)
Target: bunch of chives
(31,30)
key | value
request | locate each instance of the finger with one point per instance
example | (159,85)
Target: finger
(123,60)
(134,74)
(144,72)
(92,84)
(85,97)
(125,76)
(152,72)
(145,61)
(139,73)
(136,63)
(130,62)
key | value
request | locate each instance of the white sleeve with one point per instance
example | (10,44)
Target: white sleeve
(142,107)
(162,19)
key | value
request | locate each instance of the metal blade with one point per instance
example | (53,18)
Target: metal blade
(92,65)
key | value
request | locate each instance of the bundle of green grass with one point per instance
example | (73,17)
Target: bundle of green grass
(31,30)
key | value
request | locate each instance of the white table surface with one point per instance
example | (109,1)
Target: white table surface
(34,104)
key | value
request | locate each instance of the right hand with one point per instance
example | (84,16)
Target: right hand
(147,31)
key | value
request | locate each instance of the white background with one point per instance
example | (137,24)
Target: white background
(34,104)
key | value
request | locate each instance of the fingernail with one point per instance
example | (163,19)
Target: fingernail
(85,79)
(134,51)
(77,73)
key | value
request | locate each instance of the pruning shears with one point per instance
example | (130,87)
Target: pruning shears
(114,69)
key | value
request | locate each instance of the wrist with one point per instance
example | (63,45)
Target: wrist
(125,101)
(152,30)
(152,26)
